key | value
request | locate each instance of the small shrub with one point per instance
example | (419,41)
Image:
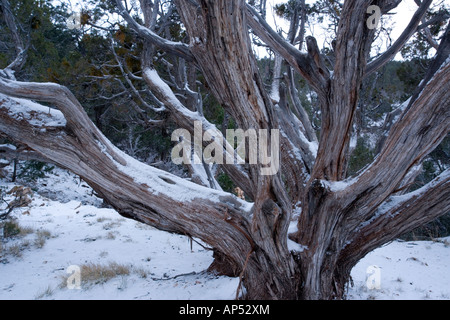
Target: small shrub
(15,250)
(47,292)
(41,238)
(111,225)
(93,273)
(34,170)
(10,229)
(111,235)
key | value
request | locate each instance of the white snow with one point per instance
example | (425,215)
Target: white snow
(161,182)
(152,76)
(36,114)
(417,270)
(163,266)
(336,186)
(83,234)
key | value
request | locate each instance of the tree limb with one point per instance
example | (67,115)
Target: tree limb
(399,215)
(409,31)
(302,63)
(418,132)
(177,48)
(77,119)
(21,51)
(441,57)
(135,190)
(187,118)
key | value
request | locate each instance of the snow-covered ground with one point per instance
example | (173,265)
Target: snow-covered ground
(65,228)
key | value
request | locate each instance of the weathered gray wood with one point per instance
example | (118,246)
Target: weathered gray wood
(340,221)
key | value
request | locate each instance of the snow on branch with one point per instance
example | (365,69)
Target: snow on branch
(182,114)
(301,62)
(177,48)
(136,190)
(75,116)
(91,148)
(35,114)
(401,214)
(187,119)
(399,204)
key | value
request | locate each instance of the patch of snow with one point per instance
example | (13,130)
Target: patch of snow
(337,186)
(36,114)
(407,271)
(169,268)
(296,247)
(63,186)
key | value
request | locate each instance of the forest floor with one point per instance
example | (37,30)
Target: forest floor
(63,229)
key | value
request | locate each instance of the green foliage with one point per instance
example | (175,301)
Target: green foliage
(214,112)
(361,156)
(411,73)
(226,183)
(10,229)
(439,228)
(33,170)
(419,47)
(286,10)
(41,24)
(385,88)
(436,163)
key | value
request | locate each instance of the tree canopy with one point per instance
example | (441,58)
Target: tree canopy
(363,139)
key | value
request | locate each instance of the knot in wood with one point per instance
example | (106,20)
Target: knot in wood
(269,208)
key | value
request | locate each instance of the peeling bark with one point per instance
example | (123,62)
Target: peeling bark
(341,220)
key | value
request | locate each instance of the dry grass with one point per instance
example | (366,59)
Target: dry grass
(112,225)
(47,292)
(111,235)
(41,238)
(95,273)
(15,239)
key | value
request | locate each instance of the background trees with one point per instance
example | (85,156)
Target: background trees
(351,146)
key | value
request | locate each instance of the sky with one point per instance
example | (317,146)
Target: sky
(403,14)
(398,21)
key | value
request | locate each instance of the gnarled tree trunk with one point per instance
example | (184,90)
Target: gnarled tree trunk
(341,220)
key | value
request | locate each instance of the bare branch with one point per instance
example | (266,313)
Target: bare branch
(299,110)
(177,48)
(136,190)
(21,51)
(302,63)
(131,85)
(339,105)
(301,34)
(187,118)
(66,102)
(398,45)
(400,214)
